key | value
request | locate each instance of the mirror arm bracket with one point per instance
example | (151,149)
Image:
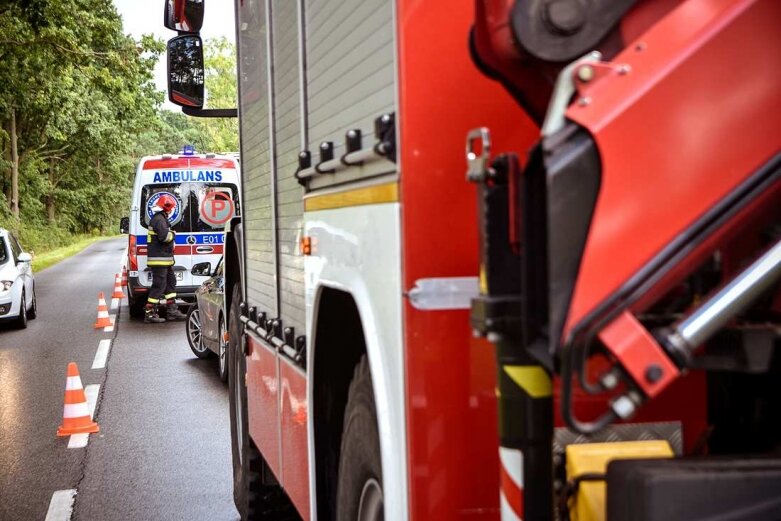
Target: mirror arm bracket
(210,113)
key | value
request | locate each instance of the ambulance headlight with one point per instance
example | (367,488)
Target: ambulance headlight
(5,286)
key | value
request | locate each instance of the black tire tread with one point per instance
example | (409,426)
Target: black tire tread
(33,313)
(21,321)
(359,457)
(136,307)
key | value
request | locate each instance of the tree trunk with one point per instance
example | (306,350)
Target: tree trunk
(14,167)
(50,195)
(7,171)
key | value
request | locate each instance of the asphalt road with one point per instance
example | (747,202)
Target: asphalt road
(163,450)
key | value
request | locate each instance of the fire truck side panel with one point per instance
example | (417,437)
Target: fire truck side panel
(256,159)
(350,74)
(357,251)
(451,407)
(289,194)
(263,402)
(295,443)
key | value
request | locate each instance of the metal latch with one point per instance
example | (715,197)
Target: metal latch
(478,154)
(443,293)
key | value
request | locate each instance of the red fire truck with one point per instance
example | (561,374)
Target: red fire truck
(581,327)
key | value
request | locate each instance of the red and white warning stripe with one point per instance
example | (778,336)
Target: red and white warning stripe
(511,497)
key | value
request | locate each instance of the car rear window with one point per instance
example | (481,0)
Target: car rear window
(189,196)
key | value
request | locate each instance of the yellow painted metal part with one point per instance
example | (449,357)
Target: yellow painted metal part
(531,378)
(376,194)
(590,502)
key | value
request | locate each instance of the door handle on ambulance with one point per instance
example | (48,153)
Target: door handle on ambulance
(204,249)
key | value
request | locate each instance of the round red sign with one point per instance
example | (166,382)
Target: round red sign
(217,208)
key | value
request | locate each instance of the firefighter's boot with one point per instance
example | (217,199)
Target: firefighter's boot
(151,316)
(172,312)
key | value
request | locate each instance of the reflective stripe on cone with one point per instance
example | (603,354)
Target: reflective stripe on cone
(76,418)
(103,318)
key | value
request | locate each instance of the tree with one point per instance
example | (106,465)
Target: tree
(221,134)
(75,94)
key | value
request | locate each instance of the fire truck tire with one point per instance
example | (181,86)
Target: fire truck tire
(256,493)
(359,489)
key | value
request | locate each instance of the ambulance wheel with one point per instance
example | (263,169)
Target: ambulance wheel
(256,492)
(136,307)
(359,490)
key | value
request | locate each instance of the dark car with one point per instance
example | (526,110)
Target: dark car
(206,319)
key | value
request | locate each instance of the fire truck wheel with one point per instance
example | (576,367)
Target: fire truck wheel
(359,489)
(256,493)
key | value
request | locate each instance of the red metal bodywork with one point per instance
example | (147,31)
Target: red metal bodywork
(277,409)
(187,162)
(263,402)
(628,340)
(706,75)
(295,444)
(450,401)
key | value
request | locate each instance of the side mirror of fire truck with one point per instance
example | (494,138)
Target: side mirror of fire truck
(184,16)
(185,71)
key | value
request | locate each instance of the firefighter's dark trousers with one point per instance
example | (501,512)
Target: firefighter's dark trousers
(163,285)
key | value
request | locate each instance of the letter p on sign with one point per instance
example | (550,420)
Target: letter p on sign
(217,208)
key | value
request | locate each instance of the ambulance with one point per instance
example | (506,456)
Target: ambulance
(206,190)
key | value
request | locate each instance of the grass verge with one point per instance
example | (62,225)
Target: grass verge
(52,257)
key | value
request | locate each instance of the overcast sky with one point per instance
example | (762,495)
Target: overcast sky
(146,16)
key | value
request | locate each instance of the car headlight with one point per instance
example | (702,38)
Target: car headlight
(5,286)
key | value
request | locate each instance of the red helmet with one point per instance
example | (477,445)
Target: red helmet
(167,203)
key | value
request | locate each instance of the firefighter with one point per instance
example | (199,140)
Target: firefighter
(160,251)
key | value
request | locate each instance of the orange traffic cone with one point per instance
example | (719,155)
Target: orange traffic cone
(76,418)
(117,288)
(103,318)
(124,277)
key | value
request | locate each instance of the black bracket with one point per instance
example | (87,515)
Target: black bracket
(326,154)
(210,113)
(353,142)
(304,162)
(385,132)
(301,350)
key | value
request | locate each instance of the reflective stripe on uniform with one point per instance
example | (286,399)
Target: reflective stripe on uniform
(160,261)
(170,295)
(152,300)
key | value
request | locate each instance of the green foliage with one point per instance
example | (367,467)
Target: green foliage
(81,97)
(222,134)
(78,91)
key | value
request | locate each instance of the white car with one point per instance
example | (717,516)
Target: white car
(17,286)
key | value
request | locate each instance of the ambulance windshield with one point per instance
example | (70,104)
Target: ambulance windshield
(200,207)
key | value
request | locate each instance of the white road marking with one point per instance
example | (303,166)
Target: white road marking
(109,329)
(114,303)
(78,441)
(61,505)
(102,354)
